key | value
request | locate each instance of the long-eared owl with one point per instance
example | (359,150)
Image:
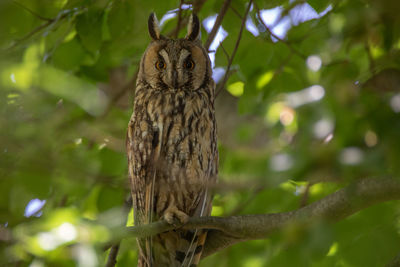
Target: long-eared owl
(172,144)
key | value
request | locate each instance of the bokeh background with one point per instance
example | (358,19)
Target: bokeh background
(311,103)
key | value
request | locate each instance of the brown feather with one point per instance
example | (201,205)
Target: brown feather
(172,149)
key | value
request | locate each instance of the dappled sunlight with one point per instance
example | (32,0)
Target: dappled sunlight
(32,73)
(218,73)
(208,24)
(71,88)
(333,249)
(22,76)
(217,211)
(34,208)
(370,138)
(236,89)
(395,103)
(307,102)
(287,116)
(281,162)
(351,156)
(314,62)
(66,232)
(264,79)
(305,96)
(85,256)
(323,128)
(280,23)
(281,112)
(272,18)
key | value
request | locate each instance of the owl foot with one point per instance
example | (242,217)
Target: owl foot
(174,216)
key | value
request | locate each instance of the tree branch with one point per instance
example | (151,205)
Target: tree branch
(62,15)
(31,11)
(217,23)
(178,24)
(226,231)
(197,5)
(224,80)
(112,256)
(294,50)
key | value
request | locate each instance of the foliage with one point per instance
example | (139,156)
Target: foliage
(290,130)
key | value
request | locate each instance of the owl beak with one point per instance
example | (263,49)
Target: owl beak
(174,81)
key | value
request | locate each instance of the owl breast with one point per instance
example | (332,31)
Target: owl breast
(185,151)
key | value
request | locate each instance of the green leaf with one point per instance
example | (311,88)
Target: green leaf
(318,5)
(69,55)
(88,27)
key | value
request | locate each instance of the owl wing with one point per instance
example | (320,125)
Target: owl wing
(141,144)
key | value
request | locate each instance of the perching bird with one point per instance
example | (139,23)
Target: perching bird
(172,144)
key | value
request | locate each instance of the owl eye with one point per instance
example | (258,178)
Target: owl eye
(189,64)
(160,65)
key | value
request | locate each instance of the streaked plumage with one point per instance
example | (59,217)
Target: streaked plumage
(172,144)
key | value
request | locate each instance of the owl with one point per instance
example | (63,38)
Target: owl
(172,144)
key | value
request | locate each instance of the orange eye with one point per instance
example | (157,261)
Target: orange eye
(160,65)
(189,64)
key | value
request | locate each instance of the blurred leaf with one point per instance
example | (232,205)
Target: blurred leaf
(88,27)
(67,85)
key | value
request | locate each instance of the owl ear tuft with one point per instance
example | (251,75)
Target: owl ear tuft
(193,28)
(154,28)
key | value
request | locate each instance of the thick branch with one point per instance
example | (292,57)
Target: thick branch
(226,231)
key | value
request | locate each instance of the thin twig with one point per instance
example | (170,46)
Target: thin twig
(224,80)
(129,85)
(280,68)
(39,28)
(174,32)
(311,30)
(370,57)
(236,12)
(224,50)
(294,50)
(217,23)
(286,11)
(112,256)
(178,25)
(31,11)
(197,5)
(306,195)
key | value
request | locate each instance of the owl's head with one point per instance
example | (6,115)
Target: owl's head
(174,64)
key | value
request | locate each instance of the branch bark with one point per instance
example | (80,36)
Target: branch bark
(227,231)
(112,257)
(217,23)
(226,76)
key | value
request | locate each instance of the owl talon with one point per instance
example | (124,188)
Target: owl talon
(174,216)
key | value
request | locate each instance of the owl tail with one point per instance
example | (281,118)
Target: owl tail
(184,247)
(175,249)
(190,247)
